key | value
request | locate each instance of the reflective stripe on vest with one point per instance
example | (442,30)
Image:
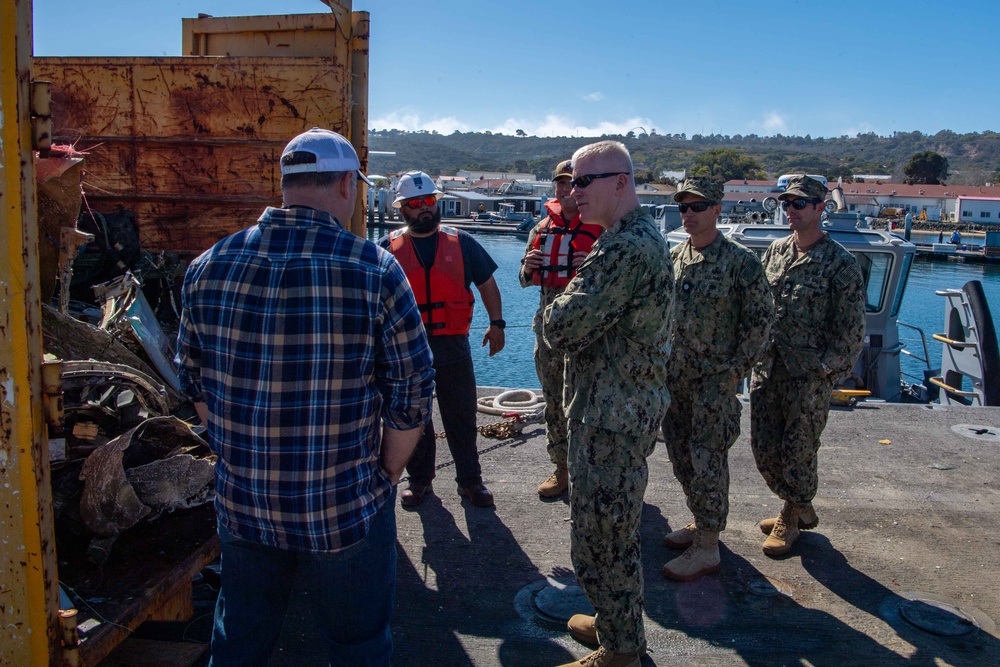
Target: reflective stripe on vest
(558,241)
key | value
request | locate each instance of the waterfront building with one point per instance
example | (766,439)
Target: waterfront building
(944,203)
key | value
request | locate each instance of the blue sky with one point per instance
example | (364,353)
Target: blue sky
(584,68)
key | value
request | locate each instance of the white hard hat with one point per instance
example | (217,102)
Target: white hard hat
(414,184)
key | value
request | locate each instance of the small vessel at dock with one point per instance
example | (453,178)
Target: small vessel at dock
(885,260)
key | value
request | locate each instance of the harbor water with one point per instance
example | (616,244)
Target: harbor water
(514,366)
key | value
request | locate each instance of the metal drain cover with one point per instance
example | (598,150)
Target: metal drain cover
(557,602)
(768,587)
(978,432)
(938,618)
(934,613)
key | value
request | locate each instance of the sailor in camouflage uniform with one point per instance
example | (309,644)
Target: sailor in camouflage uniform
(819,301)
(722,317)
(556,245)
(614,323)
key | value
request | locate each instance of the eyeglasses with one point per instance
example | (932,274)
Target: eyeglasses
(583,181)
(417,202)
(697,207)
(797,204)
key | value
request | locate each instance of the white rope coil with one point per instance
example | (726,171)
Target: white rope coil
(519,401)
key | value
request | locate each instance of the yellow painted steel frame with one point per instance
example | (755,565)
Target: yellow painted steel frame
(28,579)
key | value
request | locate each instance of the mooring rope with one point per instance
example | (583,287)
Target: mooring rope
(513,401)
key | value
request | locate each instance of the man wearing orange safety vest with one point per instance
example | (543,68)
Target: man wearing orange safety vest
(556,246)
(441,263)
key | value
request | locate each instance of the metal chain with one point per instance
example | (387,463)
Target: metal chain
(510,426)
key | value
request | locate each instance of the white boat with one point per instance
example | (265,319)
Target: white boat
(506,213)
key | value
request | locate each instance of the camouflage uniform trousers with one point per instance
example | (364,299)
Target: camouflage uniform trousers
(702,424)
(550,366)
(607,481)
(787,416)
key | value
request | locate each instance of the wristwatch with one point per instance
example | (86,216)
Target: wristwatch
(499,324)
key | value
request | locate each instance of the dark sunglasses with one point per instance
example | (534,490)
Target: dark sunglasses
(797,204)
(417,202)
(697,207)
(583,181)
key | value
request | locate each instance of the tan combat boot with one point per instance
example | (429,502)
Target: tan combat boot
(701,558)
(680,538)
(807,520)
(602,657)
(583,629)
(556,484)
(785,532)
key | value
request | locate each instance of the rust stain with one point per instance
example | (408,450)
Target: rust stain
(205,82)
(289,106)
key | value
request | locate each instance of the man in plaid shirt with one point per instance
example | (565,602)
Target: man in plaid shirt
(304,351)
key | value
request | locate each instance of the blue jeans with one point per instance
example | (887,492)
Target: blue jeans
(351,593)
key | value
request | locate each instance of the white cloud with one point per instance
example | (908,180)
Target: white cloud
(411,122)
(551,126)
(561,126)
(772,123)
(596,96)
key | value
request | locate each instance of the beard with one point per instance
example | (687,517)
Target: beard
(425,222)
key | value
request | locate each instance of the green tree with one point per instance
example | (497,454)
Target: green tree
(646,176)
(927,167)
(727,164)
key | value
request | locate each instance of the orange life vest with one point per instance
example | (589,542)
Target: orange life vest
(444,300)
(558,240)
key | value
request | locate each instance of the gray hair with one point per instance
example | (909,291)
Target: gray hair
(614,151)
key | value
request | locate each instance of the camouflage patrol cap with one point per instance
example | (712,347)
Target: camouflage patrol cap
(801,185)
(564,168)
(700,186)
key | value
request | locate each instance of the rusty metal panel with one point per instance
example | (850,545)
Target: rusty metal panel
(300,35)
(224,169)
(360,37)
(190,144)
(90,96)
(245,98)
(194,98)
(195,226)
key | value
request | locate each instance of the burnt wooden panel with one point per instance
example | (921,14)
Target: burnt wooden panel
(190,144)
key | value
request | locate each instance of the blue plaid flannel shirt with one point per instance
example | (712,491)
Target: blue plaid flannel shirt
(302,339)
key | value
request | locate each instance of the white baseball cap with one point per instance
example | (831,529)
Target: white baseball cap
(332,151)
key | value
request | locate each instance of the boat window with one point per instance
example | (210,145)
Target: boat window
(904,276)
(875,268)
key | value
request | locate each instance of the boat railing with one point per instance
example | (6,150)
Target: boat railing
(926,358)
(917,387)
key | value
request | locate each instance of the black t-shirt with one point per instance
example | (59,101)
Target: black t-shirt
(479,267)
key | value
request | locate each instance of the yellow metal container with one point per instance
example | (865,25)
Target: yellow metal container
(191,145)
(28,577)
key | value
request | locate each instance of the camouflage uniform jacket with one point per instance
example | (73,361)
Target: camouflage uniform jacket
(548,293)
(614,321)
(722,310)
(819,303)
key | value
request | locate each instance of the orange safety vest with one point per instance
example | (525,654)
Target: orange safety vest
(558,240)
(444,300)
